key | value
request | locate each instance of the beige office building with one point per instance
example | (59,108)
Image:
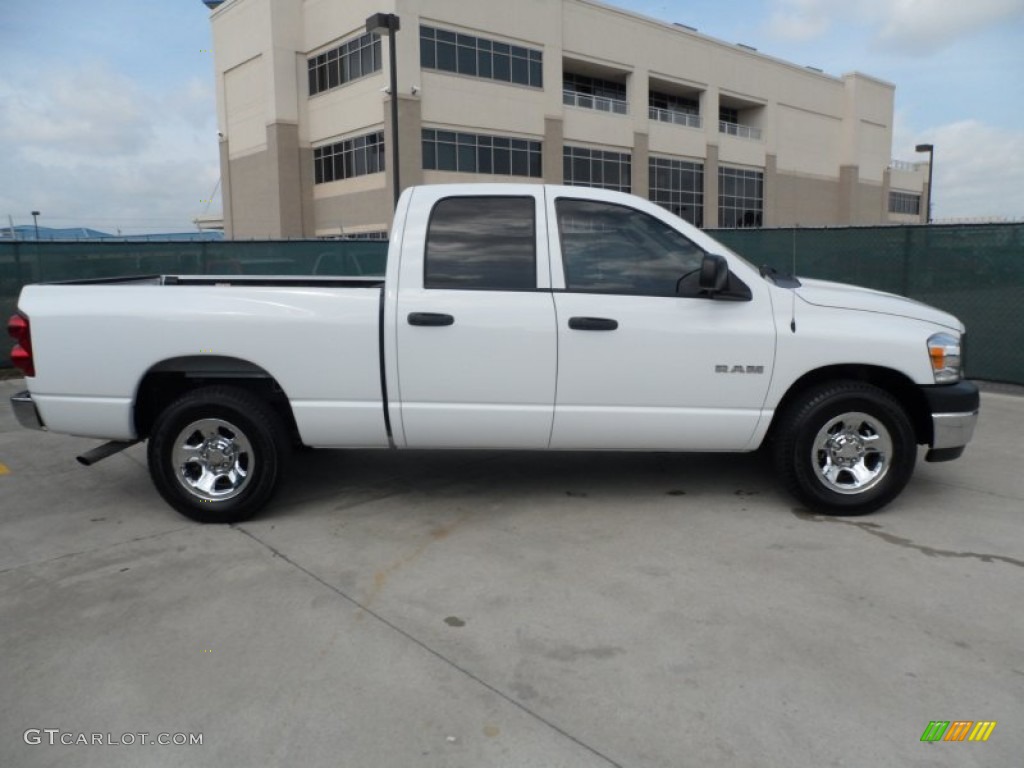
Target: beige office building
(559,91)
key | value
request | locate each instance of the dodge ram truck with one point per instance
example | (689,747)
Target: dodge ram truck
(510,316)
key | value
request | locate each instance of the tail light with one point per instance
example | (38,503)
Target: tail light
(21,355)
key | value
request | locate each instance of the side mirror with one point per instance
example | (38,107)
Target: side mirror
(714,274)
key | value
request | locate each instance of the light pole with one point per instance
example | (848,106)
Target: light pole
(378,23)
(930,149)
(35,221)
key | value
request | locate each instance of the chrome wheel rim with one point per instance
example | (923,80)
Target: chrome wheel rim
(852,453)
(212,459)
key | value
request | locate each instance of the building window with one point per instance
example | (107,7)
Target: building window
(358,156)
(729,115)
(674,109)
(471,153)
(483,244)
(678,185)
(349,61)
(905,202)
(479,57)
(608,248)
(594,93)
(740,197)
(583,167)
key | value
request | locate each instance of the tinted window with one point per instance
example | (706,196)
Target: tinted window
(609,248)
(482,243)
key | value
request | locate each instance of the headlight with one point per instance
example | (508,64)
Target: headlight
(944,352)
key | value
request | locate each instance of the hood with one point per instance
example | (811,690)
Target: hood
(823,293)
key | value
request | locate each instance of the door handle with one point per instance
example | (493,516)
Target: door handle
(593,324)
(430,318)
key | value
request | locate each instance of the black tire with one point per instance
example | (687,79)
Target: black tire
(217,453)
(844,448)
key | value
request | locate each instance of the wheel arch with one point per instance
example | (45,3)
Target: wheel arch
(897,384)
(169,379)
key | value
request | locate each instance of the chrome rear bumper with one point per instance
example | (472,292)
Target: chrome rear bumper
(25,411)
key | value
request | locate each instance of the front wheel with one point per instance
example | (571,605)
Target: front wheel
(216,454)
(845,448)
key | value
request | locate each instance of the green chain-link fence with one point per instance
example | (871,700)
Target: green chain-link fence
(974,271)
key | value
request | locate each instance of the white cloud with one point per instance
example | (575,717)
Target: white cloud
(90,147)
(979,169)
(915,27)
(800,20)
(925,26)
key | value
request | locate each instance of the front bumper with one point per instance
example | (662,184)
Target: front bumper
(954,410)
(25,411)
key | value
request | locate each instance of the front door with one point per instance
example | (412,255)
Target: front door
(644,361)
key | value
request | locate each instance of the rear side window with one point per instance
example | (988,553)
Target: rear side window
(482,244)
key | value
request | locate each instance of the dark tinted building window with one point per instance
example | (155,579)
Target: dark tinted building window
(740,197)
(678,185)
(583,167)
(470,153)
(482,243)
(359,156)
(349,61)
(479,57)
(608,248)
(904,202)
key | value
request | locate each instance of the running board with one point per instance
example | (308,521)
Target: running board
(104,451)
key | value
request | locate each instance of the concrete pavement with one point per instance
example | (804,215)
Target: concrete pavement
(501,609)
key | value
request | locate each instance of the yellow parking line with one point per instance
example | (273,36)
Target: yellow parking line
(4,470)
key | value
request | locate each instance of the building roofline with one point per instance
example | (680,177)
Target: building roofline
(683,30)
(872,78)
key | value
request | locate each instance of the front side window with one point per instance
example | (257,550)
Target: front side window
(483,244)
(608,248)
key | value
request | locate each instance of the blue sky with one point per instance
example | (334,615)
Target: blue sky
(107,107)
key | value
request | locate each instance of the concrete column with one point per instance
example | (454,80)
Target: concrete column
(849,177)
(770,213)
(410,144)
(711,182)
(640,166)
(225,189)
(886,188)
(553,148)
(283,148)
(306,179)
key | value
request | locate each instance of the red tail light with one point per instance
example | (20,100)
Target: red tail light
(21,355)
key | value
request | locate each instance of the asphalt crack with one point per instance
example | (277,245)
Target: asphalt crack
(876,530)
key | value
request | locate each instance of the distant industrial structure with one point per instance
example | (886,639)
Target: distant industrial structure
(560,91)
(31,232)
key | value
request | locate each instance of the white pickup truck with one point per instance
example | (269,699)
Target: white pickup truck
(510,317)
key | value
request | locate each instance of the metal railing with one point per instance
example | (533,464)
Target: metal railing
(907,165)
(689,119)
(600,103)
(741,131)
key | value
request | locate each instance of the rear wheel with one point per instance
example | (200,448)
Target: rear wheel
(845,448)
(216,454)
